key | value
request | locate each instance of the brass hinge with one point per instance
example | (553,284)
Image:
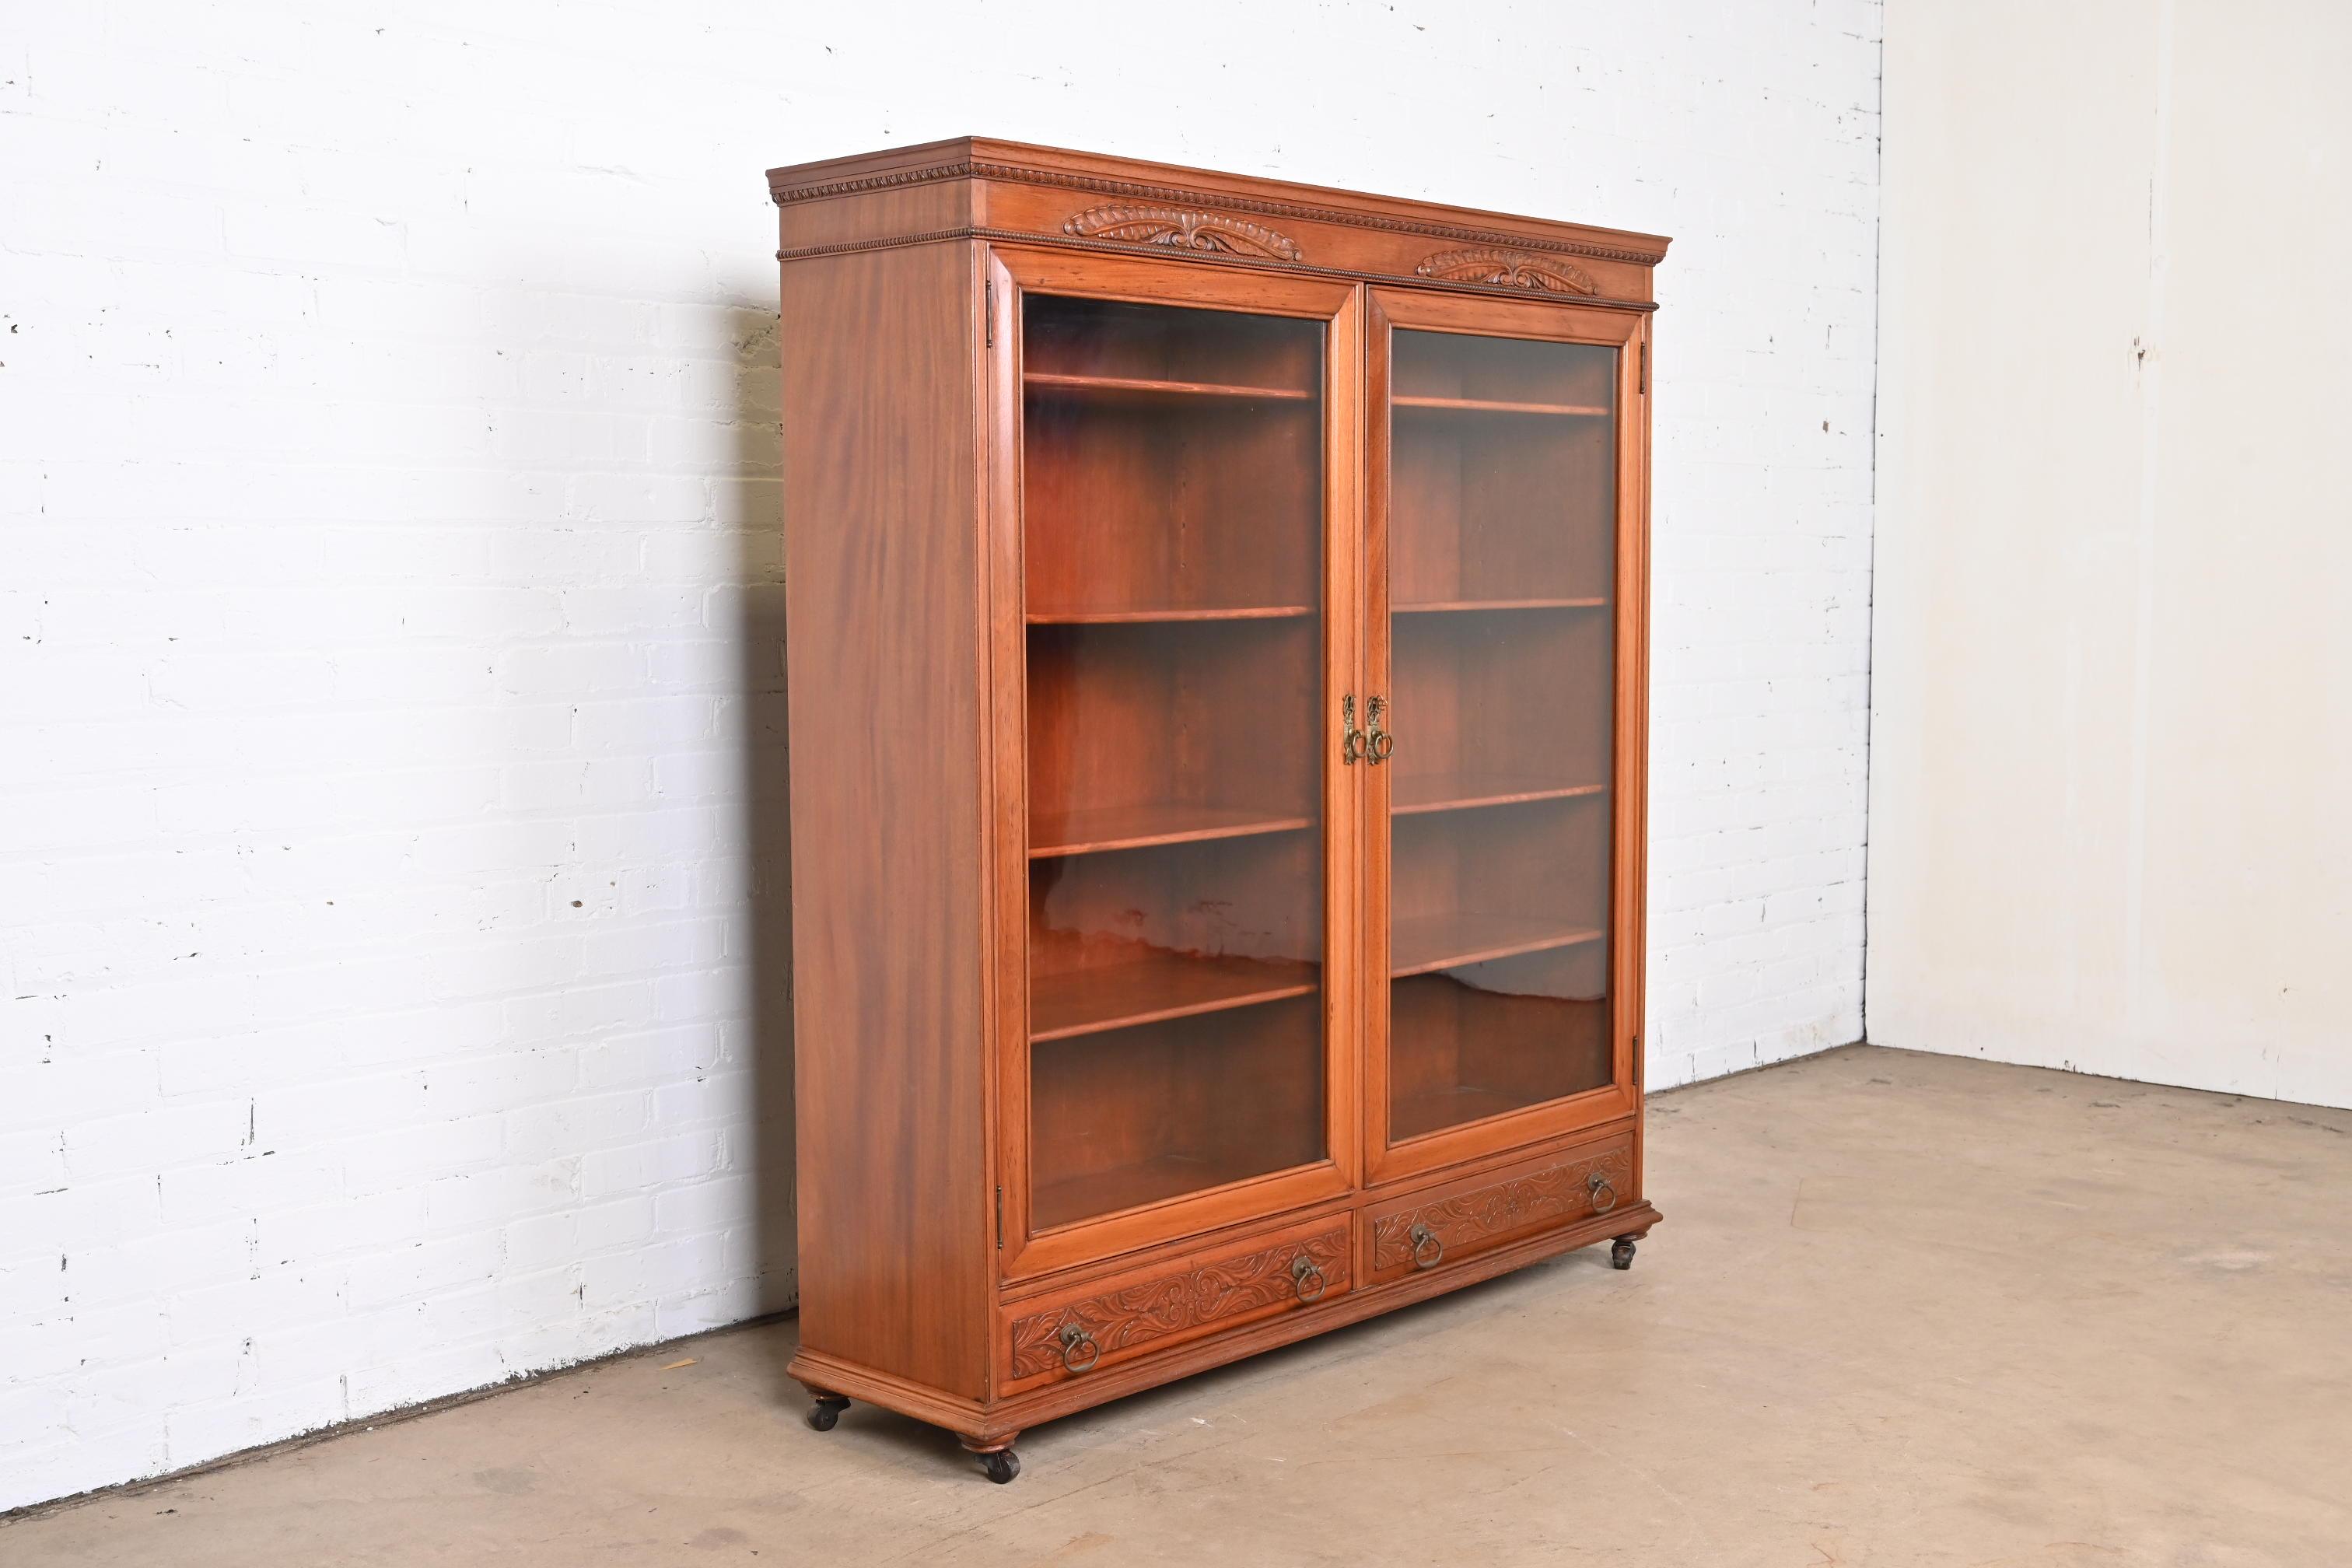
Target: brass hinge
(988,316)
(999,1219)
(1637,1066)
(1642,386)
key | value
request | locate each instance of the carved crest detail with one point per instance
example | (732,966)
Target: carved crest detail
(1181,228)
(1509,269)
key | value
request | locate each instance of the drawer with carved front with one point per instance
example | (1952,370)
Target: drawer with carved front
(1075,1330)
(1460,1219)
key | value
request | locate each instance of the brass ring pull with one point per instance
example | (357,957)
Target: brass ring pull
(1598,1184)
(1302,1270)
(1351,739)
(1428,1252)
(1072,1336)
(1379,743)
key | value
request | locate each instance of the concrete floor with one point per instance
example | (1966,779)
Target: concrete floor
(1903,1309)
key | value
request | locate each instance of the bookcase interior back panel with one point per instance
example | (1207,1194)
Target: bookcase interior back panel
(1144,728)
(1191,926)
(1155,1111)
(1172,462)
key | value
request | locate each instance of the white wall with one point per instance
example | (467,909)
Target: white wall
(2112,691)
(388,796)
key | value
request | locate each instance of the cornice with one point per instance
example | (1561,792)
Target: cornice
(1309,211)
(1205,259)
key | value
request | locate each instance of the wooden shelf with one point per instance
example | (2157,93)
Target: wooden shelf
(1456,1105)
(1419,944)
(1490,405)
(1136,618)
(1452,607)
(1164,985)
(1137,386)
(1460,791)
(1123,1187)
(1135,826)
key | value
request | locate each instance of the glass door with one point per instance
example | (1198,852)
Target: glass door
(1492,728)
(1174,569)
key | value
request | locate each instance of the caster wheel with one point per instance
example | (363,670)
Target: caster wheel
(1621,1255)
(1001,1466)
(827,1409)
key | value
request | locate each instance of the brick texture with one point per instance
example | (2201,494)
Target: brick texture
(391,865)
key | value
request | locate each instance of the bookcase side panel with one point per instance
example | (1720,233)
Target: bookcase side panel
(883,634)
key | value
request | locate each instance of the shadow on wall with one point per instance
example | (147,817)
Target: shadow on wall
(767,1044)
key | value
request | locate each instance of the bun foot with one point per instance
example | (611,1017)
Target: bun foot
(1000,1464)
(824,1409)
(1621,1253)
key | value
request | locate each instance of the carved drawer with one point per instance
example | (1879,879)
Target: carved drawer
(1081,1329)
(1445,1223)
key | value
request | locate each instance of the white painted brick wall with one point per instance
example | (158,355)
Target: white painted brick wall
(388,603)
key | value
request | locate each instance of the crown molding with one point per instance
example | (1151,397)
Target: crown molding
(785,190)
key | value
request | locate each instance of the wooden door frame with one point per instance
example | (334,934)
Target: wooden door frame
(1010,270)
(1387,309)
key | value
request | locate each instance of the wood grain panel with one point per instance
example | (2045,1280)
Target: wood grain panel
(881,518)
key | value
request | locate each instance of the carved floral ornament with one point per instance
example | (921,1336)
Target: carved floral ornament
(1159,1307)
(1561,1191)
(1509,269)
(1181,228)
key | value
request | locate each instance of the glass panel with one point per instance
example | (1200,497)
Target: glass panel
(1502,572)
(1172,518)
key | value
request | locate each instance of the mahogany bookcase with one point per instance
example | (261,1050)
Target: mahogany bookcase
(1216,640)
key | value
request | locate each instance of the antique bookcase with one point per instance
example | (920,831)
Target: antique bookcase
(1216,646)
